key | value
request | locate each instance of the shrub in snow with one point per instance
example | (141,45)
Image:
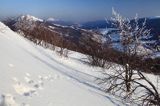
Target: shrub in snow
(127,80)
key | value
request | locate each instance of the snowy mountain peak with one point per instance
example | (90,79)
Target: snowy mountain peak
(30,18)
(27,22)
(51,19)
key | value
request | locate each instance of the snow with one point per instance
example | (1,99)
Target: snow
(154,17)
(51,27)
(105,31)
(52,19)
(34,76)
(30,18)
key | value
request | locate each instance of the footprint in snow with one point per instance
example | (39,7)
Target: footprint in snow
(37,85)
(28,80)
(7,100)
(40,77)
(23,89)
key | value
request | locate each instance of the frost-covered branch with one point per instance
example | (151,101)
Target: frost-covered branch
(130,32)
(127,80)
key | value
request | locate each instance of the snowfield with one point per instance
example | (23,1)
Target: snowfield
(33,76)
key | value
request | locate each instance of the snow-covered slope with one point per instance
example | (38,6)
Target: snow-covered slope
(33,76)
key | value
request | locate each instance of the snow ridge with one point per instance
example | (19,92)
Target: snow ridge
(30,18)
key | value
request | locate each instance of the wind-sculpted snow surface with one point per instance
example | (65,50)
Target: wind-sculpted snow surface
(34,76)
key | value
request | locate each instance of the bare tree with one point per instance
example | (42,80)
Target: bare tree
(127,80)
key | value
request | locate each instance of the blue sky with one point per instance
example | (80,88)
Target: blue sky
(79,10)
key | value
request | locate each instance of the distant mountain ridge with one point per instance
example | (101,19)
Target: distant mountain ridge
(37,29)
(74,32)
(152,23)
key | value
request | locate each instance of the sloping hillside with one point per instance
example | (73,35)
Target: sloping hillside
(34,76)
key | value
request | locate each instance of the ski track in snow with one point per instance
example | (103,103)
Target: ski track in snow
(80,77)
(76,75)
(28,85)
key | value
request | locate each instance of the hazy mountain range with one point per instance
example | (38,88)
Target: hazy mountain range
(75,31)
